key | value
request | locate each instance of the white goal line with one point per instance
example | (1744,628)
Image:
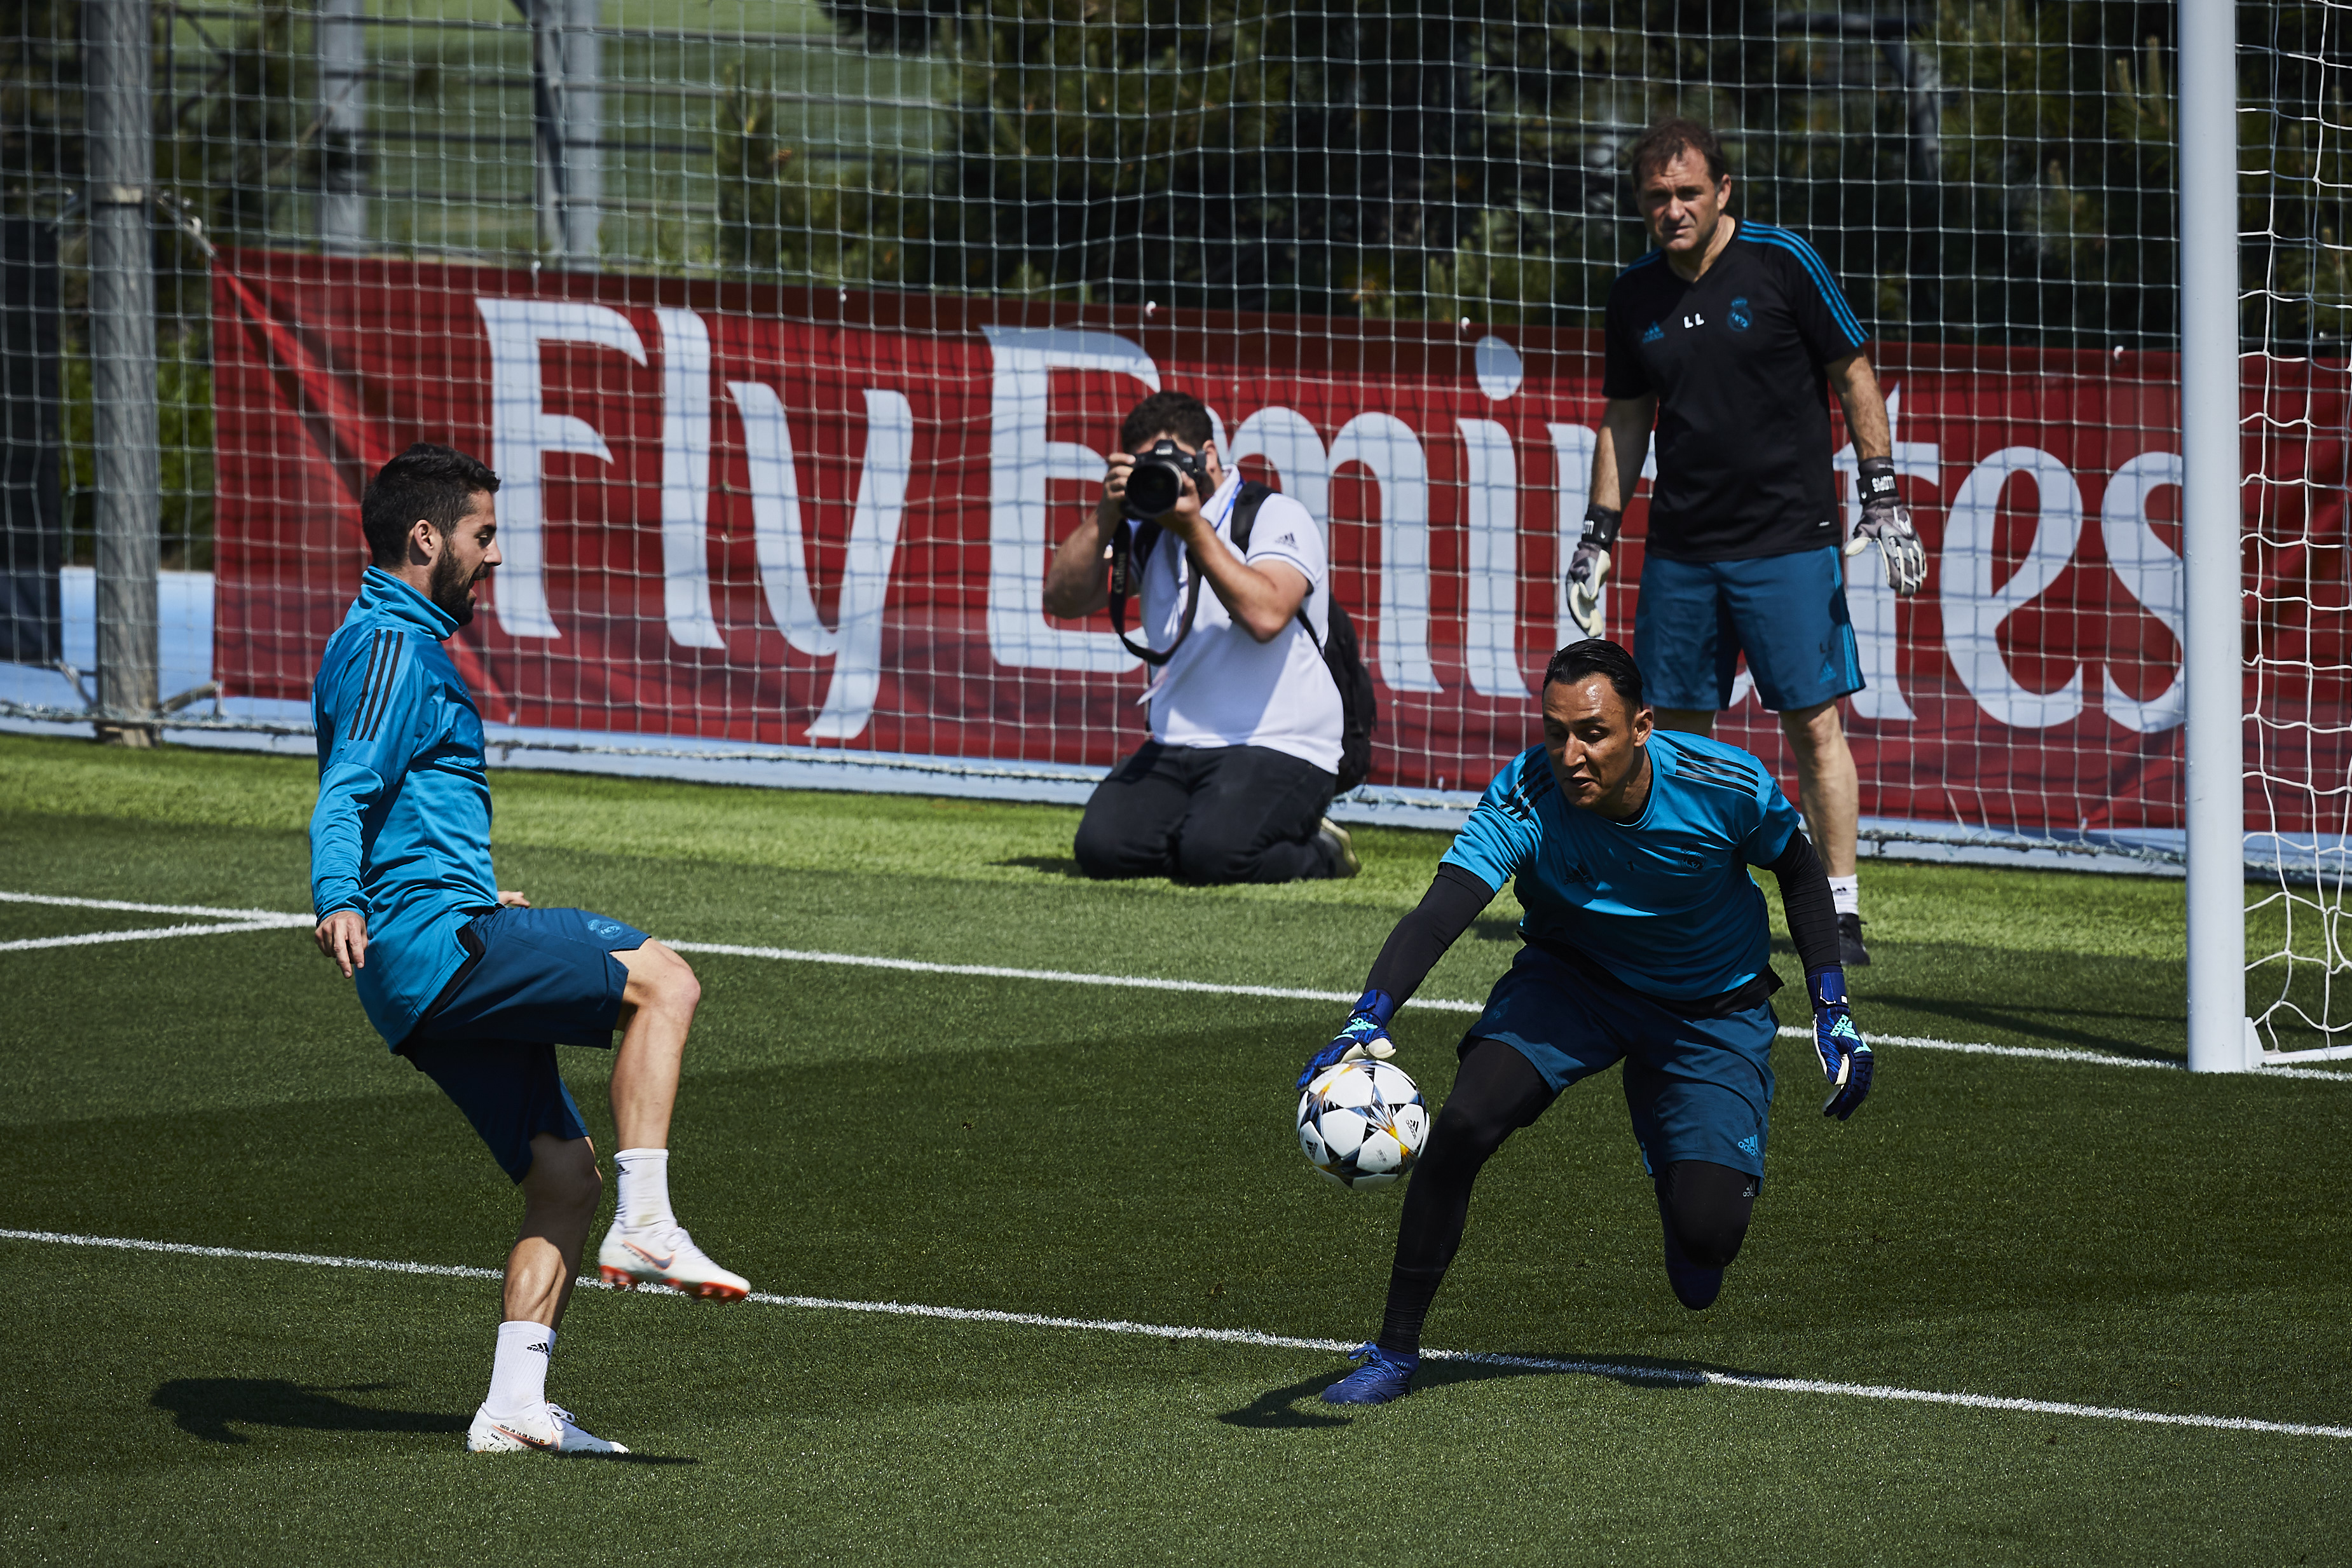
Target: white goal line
(256,920)
(1667,1376)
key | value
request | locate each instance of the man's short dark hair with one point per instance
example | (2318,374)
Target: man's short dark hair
(1668,140)
(438,484)
(1598,657)
(1179,415)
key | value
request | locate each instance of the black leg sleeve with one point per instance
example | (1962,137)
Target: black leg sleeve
(1704,1210)
(1497,1093)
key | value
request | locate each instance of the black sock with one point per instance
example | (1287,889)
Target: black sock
(1411,1291)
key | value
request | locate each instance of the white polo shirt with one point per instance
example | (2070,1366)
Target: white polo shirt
(1224,688)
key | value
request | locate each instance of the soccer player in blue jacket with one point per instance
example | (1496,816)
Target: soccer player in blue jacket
(1645,944)
(472,985)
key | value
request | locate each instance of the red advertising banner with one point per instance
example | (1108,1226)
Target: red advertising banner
(815,518)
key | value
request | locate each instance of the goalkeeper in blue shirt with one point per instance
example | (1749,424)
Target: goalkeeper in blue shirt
(1646,944)
(472,985)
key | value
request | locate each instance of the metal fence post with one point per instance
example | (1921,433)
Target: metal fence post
(118,63)
(565,59)
(582,112)
(342,116)
(2210,527)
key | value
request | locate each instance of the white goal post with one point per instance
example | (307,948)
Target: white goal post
(2211,518)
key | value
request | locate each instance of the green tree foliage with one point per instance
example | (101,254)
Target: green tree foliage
(1465,157)
(2296,192)
(780,216)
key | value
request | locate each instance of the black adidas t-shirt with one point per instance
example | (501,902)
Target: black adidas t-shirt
(1736,359)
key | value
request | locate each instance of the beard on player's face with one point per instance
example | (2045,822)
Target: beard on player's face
(451,586)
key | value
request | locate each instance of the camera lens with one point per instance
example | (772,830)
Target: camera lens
(1153,490)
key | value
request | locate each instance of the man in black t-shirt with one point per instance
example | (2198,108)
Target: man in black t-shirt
(1729,337)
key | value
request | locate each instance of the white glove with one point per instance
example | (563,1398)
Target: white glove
(1588,574)
(1887,523)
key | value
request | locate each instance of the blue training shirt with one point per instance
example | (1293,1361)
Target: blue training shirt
(1662,901)
(402,829)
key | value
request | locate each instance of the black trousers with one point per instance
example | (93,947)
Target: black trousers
(1234,814)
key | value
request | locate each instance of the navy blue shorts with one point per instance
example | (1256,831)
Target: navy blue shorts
(533,979)
(1786,612)
(1697,1088)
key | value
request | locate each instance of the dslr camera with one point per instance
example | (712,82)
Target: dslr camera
(1156,482)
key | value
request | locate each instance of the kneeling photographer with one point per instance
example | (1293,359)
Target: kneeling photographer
(1246,718)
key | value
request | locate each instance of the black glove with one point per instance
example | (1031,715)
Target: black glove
(1588,570)
(1887,523)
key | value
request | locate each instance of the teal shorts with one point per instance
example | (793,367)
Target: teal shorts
(1697,1088)
(533,979)
(1786,612)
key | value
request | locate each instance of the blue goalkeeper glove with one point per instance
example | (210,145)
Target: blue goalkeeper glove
(1845,1055)
(1365,1035)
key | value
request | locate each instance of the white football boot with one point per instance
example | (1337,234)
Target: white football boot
(664,1255)
(548,1429)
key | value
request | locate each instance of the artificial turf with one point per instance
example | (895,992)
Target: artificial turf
(2026,1229)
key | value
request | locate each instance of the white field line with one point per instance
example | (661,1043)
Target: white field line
(1677,1377)
(263,919)
(2034,1052)
(1063,977)
(151,933)
(269,914)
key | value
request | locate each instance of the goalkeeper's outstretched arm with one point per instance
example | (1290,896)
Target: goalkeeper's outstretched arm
(1812,927)
(1454,900)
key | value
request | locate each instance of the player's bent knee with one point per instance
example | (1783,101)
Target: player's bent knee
(1711,1241)
(658,977)
(564,1175)
(1708,1207)
(1463,1139)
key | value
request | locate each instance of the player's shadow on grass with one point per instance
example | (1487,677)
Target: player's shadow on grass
(2038,1023)
(1294,1405)
(211,1407)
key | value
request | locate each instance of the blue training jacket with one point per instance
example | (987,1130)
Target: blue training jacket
(402,830)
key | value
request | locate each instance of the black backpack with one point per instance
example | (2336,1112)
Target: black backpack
(1360,708)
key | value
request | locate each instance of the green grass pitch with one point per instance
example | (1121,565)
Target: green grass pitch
(2038,1231)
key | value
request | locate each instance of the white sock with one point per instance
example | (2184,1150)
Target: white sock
(1845,891)
(518,1375)
(644,1188)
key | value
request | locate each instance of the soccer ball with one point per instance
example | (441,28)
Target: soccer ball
(1363,1123)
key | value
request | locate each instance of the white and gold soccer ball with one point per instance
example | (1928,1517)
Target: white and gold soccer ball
(1363,1123)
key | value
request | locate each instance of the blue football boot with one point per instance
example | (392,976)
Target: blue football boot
(1379,1379)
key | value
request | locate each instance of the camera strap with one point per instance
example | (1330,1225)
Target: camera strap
(1129,559)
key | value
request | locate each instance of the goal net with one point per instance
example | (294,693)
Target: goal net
(2295,67)
(796,335)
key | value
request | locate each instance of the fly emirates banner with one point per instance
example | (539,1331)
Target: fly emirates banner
(816,518)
